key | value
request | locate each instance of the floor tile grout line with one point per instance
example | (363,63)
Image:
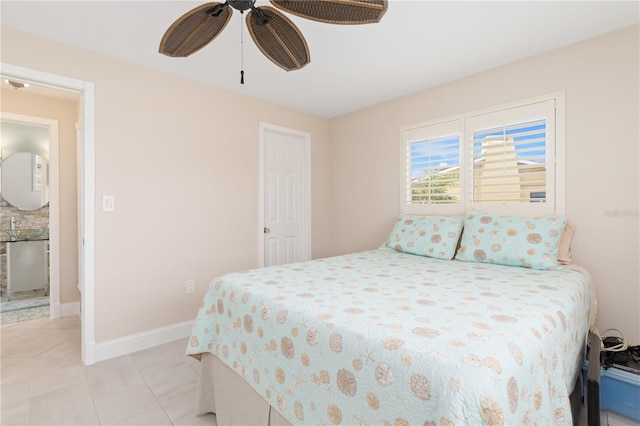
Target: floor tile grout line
(31,383)
(93,401)
(153,393)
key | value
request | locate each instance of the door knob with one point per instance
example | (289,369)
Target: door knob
(267,230)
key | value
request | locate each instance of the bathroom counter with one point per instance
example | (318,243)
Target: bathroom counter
(25,235)
(18,240)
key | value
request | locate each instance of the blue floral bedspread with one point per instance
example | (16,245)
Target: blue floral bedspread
(387,338)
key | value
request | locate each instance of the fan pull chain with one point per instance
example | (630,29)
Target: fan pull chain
(241,47)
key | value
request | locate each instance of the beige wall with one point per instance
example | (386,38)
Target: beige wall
(66,113)
(600,78)
(181,159)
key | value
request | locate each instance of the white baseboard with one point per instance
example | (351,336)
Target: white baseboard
(54,310)
(140,341)
(58,310)
(69,309)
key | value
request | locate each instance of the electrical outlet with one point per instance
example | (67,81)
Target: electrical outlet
(191,286)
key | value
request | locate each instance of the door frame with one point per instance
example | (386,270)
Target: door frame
(54,202)
(305,188)
(86,182)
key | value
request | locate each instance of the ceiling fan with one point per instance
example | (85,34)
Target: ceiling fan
(274,34)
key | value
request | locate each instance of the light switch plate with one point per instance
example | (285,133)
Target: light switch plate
(108,203)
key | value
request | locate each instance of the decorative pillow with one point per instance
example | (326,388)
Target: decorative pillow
(531,242)
(431,236)
(564,250)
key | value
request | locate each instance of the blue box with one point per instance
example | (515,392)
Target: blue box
(619,391)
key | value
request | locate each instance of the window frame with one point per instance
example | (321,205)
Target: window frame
(555,181)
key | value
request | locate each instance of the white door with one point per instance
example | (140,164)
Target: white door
(285,190)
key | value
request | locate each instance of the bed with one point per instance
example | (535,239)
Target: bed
(394,338)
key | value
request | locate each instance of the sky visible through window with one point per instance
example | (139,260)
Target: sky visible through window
(442,153)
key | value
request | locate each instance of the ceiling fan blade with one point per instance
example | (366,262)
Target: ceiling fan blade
(278,38)
(348,12)
(195,29)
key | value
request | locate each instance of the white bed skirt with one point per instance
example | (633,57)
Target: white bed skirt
(235,403)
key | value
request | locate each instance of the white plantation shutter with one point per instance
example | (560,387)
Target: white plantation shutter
(511,159)
(432,172)
(431,158)
(509,163)
(505,163)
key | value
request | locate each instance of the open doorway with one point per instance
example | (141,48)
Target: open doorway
(30,204)
(85,187)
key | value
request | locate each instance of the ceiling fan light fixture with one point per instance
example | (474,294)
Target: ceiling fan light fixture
(241,5)
(275,35)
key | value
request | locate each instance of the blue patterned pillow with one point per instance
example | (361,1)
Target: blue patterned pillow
(431,236)
(514,241)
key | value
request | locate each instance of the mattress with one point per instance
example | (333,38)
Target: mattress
(383,337)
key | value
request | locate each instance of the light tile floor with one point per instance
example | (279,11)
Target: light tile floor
(44,382)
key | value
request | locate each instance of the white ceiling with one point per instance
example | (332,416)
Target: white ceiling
(417,45)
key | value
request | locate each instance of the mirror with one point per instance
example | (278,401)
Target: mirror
(25,180)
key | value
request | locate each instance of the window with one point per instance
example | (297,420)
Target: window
(432,162)
(501,160)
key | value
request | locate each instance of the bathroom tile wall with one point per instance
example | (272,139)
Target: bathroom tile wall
(33,219)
